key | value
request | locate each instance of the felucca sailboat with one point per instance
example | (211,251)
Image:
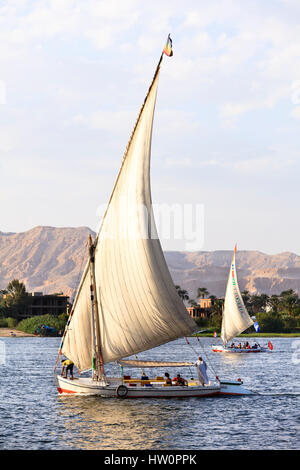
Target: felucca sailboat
(235,317)
(126,302)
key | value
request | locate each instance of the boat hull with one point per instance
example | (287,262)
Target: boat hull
(232,387)
(224,349)
(114,389)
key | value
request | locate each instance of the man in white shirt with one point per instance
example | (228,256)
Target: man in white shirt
(201,371)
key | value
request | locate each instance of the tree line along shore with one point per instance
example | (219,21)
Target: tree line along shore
(277,315)
(14,303)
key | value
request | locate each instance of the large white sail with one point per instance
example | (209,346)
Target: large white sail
(77,343)
(235,318)
(138,306)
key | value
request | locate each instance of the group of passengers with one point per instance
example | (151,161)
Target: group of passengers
(246,345)
(178,380)
(201,368)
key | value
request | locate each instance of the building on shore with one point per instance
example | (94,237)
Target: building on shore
(43,304)
(37,303)
(201,310)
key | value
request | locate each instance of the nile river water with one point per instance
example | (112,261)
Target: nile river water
(33,416)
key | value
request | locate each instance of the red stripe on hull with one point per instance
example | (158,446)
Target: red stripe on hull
(62,390)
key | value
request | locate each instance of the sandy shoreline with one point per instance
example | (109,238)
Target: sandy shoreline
(6,332)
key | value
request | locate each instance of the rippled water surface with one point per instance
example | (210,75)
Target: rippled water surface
(33,416)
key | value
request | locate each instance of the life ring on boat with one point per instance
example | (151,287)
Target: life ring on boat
(122,391)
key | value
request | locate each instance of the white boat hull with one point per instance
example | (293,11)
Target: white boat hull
(114,389)
(232,387)
(86,386)
(224,349)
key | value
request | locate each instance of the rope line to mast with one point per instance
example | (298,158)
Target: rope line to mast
(203,354)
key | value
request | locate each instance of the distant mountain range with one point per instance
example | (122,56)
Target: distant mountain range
(49,260)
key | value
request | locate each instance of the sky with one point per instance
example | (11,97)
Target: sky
(225,147)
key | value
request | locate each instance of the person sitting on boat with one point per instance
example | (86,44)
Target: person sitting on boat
(201,371)
(67,365)
(239,346)
(232,345)
(168,380)
(180,380)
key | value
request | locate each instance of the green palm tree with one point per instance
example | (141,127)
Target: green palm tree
(202,292)
(16,290)
(258,302)
(16,299)
(246,296)
(273,302)
(183,294)
(217,307)
(289,301)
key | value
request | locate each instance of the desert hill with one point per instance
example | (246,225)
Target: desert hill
(50,259)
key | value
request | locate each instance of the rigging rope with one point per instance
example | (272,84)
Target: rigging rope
(78,279)
(203,354)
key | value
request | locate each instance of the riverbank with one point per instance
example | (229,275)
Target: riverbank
(11,332)
(255,335)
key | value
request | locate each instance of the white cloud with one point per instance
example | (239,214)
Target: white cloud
(296,112)
(179,122)
(114,10)
(264,164)
(113,121)
(101,38)
(2,92)
(178,163)
(295,92)
(8,139)
(266,100)
(191,163)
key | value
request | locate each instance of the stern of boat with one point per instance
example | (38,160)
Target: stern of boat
(217,348)
(233,387)
(80,386)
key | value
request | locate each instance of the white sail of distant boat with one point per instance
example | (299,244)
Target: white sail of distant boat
(235,317)
(126,302)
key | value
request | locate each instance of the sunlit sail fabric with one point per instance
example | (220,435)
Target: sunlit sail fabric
(139,307)
(235,316)
(77,343)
